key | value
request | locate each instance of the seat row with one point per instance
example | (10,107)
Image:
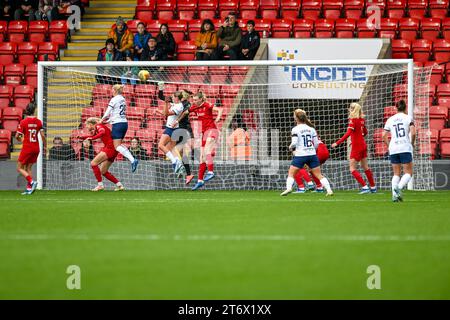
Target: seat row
(34,31)
(16,74)
(421,50)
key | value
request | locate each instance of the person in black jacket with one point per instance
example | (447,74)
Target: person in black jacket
(6,9)
(151,51)
(250,42)
(26,7)
(137,150)
(61,151)
(87,150)
(166,42)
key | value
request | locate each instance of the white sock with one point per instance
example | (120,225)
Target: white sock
(310,184)
(289,183)
(100,184)
(326,184)
(172,158)
(395,181)
(404,181)
(119,184)
(125,152)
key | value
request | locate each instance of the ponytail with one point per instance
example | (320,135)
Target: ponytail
(301,117)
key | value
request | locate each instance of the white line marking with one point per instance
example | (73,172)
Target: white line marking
(199,237)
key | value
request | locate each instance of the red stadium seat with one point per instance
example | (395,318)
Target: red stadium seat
(444,142)
(443,93)
(331,9)
(207,9)
(136,113)
(437,73)
(375,6)
(145,13)
(187,9)
(58,32)
(408,28)
(6,94)
(269,9)
(400,92)
(441,49)
(389,112)
(11,118)
(5,136)
(91,112)
(7,52)
(395,8)
(353,9)
(48,51)
(434,138)
(262,25)
(421,49)
(401,49)
(345,28)
(303,28)
(324,28)
(165,9)
(311,9)
(186,50)
(102,91)
(430,28)
(5,142)
(3,30)
(365,29)
(248,9)
(26,52)
(14,74)
(281,28)
(438,8)
(178,29)
(417,8)
(197,74)
(17,31)
(438,117)
(446,28)
(227,6)
(194,28)
(290,9)
(211,91)
(388,28)
(23,95)
(37,31)
(145,90)
(154,25)
(31,75)
(148,134)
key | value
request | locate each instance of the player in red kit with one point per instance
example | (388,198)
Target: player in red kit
(205,112)
(357,131)
(105,158)
(27,132)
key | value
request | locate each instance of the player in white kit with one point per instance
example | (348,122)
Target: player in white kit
(116,115)
(304,144)
(401,145)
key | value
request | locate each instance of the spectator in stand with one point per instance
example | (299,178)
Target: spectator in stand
(166,42)
(122,36)
(26,7)
(6,9)
(87,151)
(140,40)
(61,151)
(109,52)
(47,10)
(152,52)
(250,42)
(239,140)
(137,151)
(229,35)
(206,41)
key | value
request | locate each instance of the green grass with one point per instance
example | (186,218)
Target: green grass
(224,245)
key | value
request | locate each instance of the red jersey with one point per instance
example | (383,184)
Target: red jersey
(205,115)
(103,132)
(30,128)
(356,131)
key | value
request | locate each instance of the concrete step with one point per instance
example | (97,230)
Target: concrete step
(96,24)
(107,16)
(93,31)
(108,3)
(120,11)
(80,53)
(96,38)
(86,46)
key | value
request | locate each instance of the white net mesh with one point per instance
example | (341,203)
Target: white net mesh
(257,102)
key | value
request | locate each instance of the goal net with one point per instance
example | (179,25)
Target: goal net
(257,99)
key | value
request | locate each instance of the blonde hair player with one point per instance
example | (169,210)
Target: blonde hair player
(304,144)
(401,147)
(116,115)
(357,131)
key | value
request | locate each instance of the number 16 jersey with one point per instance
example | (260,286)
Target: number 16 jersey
(398,125)
(305,139)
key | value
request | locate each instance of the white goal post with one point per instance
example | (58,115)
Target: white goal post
(258,97)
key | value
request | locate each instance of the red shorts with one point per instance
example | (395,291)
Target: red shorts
(211,134)
(28,156)
(358,155)
(110,153)
(322,153)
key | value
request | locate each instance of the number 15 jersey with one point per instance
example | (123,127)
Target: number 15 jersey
(30,128)
(398,126)
(304,139)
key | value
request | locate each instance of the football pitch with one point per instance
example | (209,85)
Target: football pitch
(224,245)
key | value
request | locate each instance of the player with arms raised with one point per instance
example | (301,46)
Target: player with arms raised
(357,131)
(304,144)
(400,126)
(27,132)
(116,115)
(205,112)
(105,157)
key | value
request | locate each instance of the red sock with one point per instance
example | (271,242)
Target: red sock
(209,161)
(369,176)
(201,171)
(29,179)
(305,175)
(97,173)
(299,180)
(108,175)
(358,178)
(317,182)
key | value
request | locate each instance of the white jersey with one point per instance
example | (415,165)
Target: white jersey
(304,140)
(176,108)
(116,111)
(398,126)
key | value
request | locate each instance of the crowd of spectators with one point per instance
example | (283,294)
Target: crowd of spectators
(36,9)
